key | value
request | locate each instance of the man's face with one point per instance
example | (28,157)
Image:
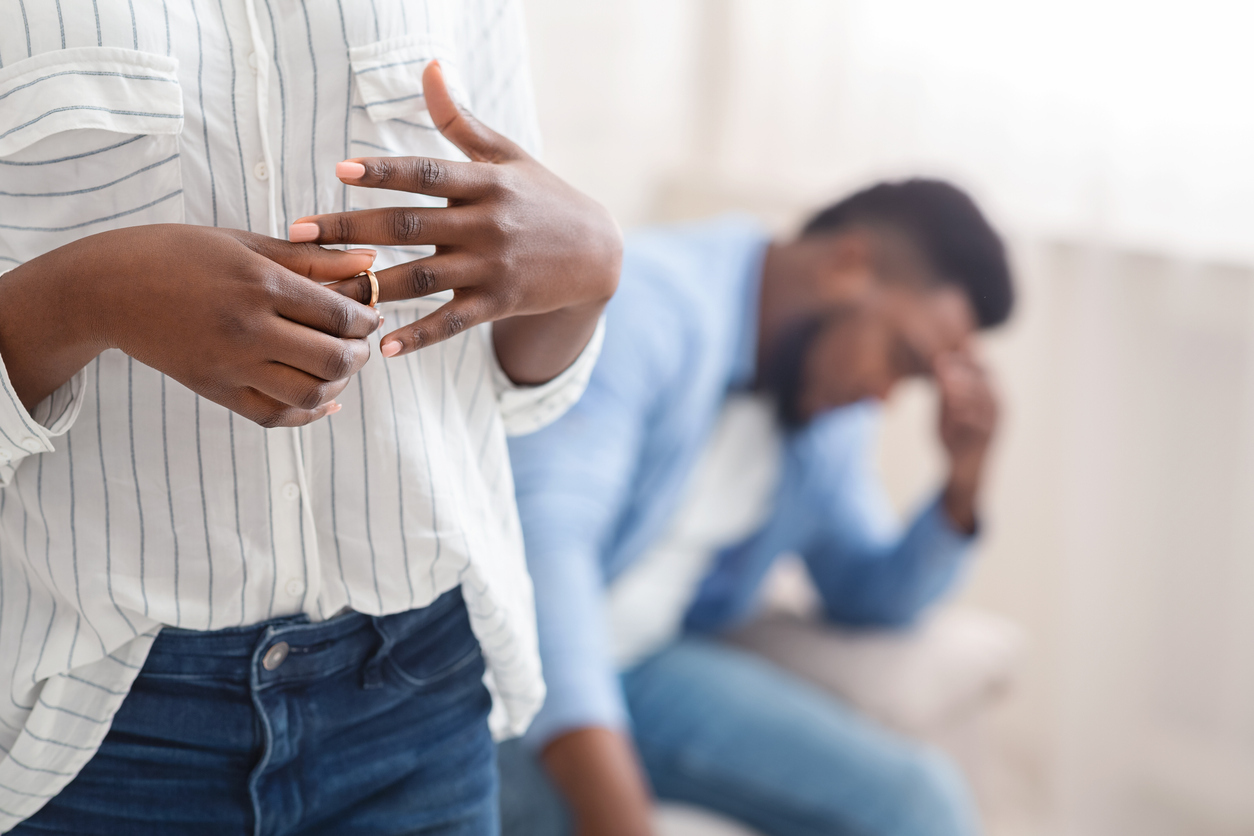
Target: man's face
(862,348)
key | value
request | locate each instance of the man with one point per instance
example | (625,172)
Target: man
(253,580)
(729,421)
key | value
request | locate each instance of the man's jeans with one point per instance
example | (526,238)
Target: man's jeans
(364,726)
(722,729)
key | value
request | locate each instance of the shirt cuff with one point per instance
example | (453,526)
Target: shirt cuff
(936,522)
(526,409)
(25,434)
(579,697)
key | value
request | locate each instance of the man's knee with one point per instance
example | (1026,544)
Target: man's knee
(530,804)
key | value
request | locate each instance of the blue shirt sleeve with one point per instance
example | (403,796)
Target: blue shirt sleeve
(868,570)
(573,480)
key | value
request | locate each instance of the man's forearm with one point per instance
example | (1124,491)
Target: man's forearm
(535,349)
(599,775)
(47,329)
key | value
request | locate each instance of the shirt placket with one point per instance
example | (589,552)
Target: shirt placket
(297,576)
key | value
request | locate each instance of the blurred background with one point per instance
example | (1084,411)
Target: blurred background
(1113,143)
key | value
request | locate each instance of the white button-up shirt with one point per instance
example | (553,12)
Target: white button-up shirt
(127,502)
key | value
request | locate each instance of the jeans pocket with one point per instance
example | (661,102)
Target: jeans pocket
(432,654)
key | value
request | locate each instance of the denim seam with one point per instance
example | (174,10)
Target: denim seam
(267,750)
(452,669)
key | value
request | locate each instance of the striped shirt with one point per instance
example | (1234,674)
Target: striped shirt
(127,502)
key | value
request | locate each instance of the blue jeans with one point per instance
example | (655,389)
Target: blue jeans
(369,725)
(726,730)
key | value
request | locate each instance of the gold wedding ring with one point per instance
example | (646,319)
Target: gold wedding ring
(374,286)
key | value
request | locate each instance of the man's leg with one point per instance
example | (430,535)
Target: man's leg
(722,729)
(530,803)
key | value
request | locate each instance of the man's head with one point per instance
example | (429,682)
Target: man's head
(885,285)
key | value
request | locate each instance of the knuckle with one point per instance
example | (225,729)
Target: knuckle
(340,362)
(499,226)
(235,324)
(383,171)
(422,279)
(454,322)
(509,296)
(310,398)
(270,282)
(503,263)
(342,228)
(341,318)
(406,225)
(430,173)
(272,418)
(505,183)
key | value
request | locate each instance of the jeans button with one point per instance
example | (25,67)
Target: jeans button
(275,656)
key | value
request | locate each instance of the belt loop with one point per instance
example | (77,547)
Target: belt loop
(372,672)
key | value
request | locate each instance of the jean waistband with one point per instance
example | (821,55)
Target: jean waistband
(312,649)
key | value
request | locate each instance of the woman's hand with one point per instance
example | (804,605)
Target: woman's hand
(515,243)
(237,317)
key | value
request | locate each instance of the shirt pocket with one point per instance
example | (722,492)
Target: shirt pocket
(389,118)
(89,141)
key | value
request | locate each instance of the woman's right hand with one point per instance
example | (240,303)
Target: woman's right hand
(239,318)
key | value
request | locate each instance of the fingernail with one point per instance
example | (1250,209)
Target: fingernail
(299,233)
(334,408)
(366,252)
(390,348)
(349,170)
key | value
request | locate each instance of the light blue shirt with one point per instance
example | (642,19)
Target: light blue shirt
(597,488)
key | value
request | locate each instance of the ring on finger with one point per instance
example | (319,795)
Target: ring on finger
(374,286)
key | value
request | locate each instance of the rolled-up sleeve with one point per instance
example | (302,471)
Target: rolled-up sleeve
(869,570)
(23,433)
(525,409)
(574,482)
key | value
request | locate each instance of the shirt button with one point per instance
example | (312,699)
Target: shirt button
(261,172)
(291,491)
(275,656)
(253,61)
(5,456)
(32,444)
(294,587)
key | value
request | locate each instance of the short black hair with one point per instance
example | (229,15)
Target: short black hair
(944,222)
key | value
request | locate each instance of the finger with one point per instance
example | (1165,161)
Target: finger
(270,413)
(945,371)
(422,175)
(462,312)
(314,306)
(315,353)
(399,226)
(472,137)
(415,279)
(312,261)
(294,387)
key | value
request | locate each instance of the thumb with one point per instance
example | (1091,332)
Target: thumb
(472,137)
(312,261)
